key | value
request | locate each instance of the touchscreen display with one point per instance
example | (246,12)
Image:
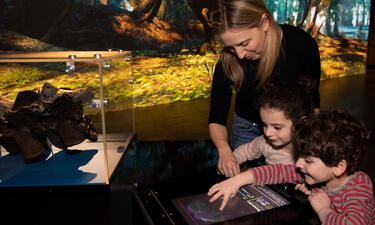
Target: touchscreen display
(250,199)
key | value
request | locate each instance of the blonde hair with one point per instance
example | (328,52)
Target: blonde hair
(247,14)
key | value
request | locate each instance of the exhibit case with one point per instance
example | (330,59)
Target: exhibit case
(67,117)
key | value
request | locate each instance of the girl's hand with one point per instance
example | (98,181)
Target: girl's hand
(302,187)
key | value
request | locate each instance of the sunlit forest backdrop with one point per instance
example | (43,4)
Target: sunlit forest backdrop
(173,45)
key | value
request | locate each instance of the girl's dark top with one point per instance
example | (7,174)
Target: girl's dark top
(299,56)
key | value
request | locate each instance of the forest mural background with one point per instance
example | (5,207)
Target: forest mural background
(174,47)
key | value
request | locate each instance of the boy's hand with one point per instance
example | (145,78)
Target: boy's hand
(302,187)
(225,190)
(320,202)
(229,188)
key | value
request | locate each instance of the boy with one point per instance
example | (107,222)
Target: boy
(328,147)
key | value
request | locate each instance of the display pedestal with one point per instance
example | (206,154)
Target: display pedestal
(66,188)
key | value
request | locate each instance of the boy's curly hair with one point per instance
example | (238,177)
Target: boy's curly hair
(332,136)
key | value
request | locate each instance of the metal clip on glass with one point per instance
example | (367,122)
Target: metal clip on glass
(107,66)
(70,67)
(95,103)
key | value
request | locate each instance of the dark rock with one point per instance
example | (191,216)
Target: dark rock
(54,114)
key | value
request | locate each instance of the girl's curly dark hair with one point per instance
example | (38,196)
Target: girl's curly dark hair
(332,135)
(295,100)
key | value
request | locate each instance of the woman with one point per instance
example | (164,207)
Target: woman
(257,51)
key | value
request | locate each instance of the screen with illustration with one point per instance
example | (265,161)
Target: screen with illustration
(250,199)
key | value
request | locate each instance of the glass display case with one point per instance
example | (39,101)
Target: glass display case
(67,117)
